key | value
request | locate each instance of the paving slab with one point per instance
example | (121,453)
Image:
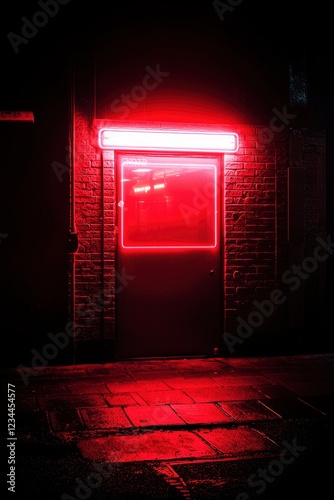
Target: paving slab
(300,376)
(88,388)
(243,479)
(197,364)
(57,372)
(292,408)
(147,375)
(157,445)
(120,400)
(311,388)
(46,390)
(65,420)
(191,382)
(63,402)
(325,404)
(105,418)
(212,394)
(203,413)
(244,380)
(248,411)
(155,415)
(119,387)
(305,432)
(165,397)
(236,441)
(106,369)
(275,391)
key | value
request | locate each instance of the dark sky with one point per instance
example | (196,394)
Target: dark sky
(247,51)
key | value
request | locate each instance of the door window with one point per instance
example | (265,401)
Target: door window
(168,202)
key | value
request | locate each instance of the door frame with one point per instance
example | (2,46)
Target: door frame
(221,229)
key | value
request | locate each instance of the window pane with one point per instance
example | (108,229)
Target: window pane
(168,202)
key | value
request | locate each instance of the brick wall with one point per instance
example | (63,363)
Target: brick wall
(255,231)
(94,268)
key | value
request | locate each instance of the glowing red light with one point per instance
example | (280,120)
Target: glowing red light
(172,203)
(138,170)
(127,139)
(142,189)
(159,186)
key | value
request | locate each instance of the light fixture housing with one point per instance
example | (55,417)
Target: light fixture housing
(132,139)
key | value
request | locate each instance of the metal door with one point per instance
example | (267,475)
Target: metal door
(169,253)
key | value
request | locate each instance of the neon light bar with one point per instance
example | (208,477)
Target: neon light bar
(142,170)
(192,200)
(159,140)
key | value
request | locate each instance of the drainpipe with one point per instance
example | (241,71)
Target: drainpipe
(73,237)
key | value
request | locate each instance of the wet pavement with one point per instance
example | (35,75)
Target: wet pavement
(233,428)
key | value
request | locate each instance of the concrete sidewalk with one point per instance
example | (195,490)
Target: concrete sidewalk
(169,412)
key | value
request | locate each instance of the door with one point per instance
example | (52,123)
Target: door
(169,255)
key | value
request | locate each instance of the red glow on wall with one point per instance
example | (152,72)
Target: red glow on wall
(174,105)
(169,203)
(130,139)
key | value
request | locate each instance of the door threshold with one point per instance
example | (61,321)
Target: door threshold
(166,358)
